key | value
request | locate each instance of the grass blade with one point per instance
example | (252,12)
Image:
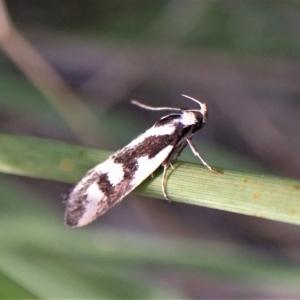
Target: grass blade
(250,194)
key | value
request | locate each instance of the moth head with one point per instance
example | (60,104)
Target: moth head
(202,110)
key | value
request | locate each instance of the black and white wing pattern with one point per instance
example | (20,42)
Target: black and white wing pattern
(109,182)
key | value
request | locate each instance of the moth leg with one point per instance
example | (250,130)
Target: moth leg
(163,181)
(196,153)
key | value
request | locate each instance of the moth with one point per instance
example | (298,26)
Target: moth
(109,182)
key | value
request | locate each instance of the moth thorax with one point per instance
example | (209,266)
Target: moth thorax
(188,118)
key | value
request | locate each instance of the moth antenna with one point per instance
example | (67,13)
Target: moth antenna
(203,108)
(153,108)
(195,100)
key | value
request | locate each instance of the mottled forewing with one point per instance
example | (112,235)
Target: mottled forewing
(109,182)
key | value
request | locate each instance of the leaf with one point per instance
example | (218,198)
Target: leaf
(260,195)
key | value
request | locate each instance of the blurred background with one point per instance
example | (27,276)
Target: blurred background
(68,72)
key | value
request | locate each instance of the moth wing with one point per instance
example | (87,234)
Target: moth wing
(109,182)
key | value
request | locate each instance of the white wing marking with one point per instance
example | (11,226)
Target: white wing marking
(94,195)
(114,171)
(147,166)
